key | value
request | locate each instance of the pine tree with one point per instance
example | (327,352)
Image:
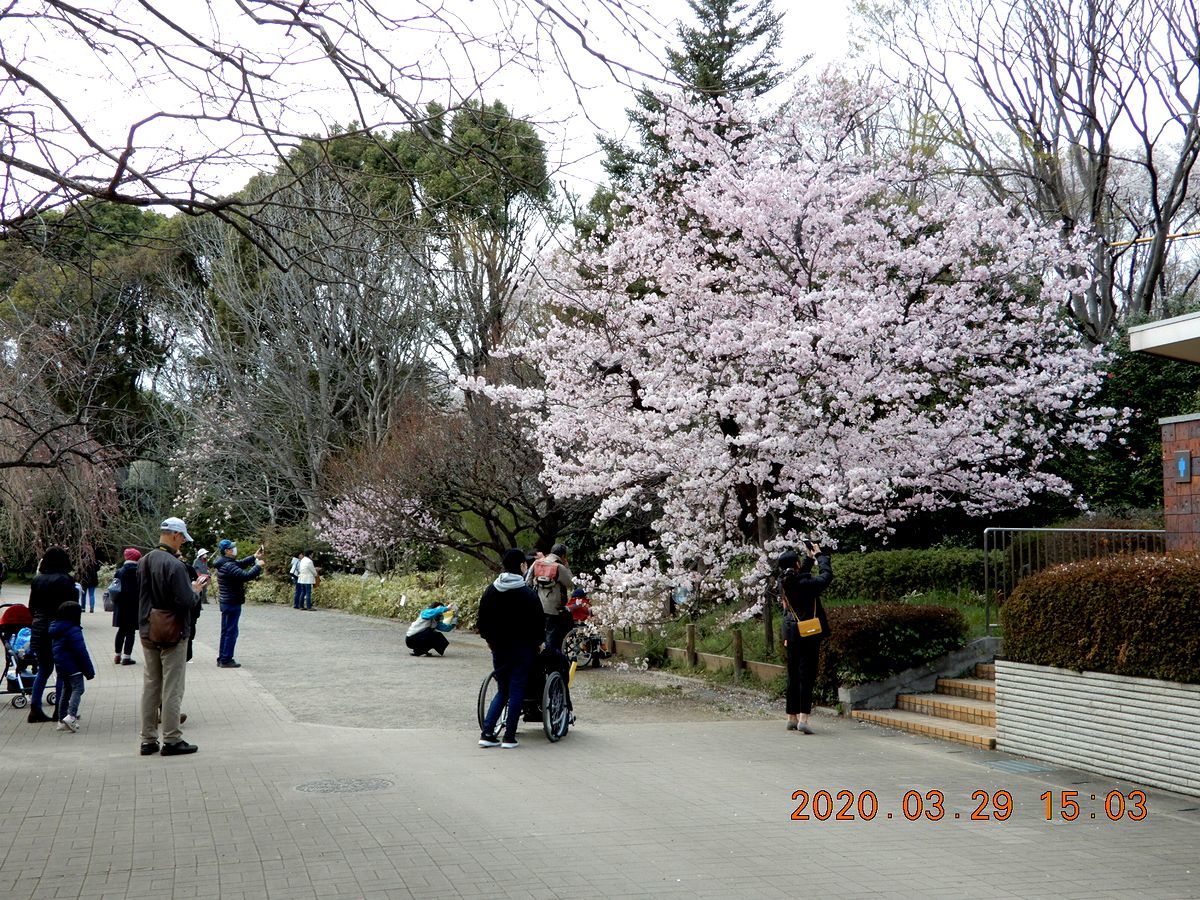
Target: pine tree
(729,53)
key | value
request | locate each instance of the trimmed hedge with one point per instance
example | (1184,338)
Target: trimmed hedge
(373,597)
(892,574)
(1122,615)
(878,640)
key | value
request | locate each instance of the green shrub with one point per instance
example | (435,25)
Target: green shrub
(1125,615)
(373,596)
(874,641)
(891,574)
(281,543)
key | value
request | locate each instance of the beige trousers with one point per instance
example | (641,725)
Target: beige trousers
(162,686)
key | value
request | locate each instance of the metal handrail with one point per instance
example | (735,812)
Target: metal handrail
(1034,557)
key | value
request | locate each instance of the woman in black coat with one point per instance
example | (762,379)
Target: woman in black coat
(52,587)
(801,595)
(126,608)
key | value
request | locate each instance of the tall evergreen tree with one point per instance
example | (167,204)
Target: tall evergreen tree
(730,52)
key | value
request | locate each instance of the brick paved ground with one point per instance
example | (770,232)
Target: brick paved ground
(623,807)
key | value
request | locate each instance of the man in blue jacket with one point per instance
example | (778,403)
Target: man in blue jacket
(232,575)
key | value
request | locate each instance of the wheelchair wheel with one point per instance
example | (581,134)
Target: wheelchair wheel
(20,701)
(578,648)
(555,717)
(487,691)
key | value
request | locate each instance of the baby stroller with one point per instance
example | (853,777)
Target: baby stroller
(547,696)
(20,662)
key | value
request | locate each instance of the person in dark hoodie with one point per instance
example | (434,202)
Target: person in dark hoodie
(89,580)
(52,587)
(511,621)
(126,607)
(72,661)
(801,596)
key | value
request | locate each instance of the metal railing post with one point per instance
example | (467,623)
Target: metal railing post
(1049,547)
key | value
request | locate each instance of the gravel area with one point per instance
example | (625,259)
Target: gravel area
(331,668)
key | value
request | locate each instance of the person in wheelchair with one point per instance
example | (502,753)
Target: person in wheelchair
(547,661)
(511,621)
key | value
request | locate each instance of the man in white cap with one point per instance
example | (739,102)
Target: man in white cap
(168,600)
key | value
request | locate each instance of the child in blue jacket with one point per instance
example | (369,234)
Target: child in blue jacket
(72,662)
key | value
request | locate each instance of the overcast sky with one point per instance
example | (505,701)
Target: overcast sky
(109,92)
(811,29)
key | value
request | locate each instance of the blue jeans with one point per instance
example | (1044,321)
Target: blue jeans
(230,613)
(87,598)
(70,692)
(511,667)
(303,597)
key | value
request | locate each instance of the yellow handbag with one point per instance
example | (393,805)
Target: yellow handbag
(809,627)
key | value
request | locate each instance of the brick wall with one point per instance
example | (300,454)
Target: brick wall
(1181,500)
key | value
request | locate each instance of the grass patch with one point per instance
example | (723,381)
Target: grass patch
(633,690)
(776,687)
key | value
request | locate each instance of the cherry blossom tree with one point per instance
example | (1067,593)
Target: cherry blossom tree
(372,527)
(785,343)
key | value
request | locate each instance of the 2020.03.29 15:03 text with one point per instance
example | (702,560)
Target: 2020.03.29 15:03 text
(984,806)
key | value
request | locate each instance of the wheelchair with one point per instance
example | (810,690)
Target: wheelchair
(547,699)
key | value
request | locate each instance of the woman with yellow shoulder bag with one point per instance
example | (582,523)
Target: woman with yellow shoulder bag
(804,624)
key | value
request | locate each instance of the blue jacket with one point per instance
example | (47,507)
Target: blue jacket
(70,650)
(232,575)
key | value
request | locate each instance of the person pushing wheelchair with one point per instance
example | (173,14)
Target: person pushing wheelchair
(512,622)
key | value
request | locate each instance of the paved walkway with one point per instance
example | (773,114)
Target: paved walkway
(625,806)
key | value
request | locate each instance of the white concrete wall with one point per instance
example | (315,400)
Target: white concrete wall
(1138,729)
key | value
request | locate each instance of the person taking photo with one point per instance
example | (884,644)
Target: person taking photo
(805,624)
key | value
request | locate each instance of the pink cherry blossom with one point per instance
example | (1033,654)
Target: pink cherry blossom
(780,340)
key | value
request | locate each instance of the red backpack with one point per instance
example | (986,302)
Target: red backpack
(545,574)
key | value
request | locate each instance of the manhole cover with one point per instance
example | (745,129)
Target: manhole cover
(345,785)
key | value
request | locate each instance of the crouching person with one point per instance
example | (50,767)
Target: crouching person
(426,634)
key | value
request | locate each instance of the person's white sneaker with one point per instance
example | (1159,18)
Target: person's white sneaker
(509,745)
(70,723)
(61,727)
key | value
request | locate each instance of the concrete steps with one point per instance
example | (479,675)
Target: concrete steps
(960,709)
(975,688)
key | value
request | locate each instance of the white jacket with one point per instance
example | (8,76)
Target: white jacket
(306,573)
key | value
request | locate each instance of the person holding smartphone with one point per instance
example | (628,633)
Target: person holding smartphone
(804,625)
(232,576)
(200,564)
